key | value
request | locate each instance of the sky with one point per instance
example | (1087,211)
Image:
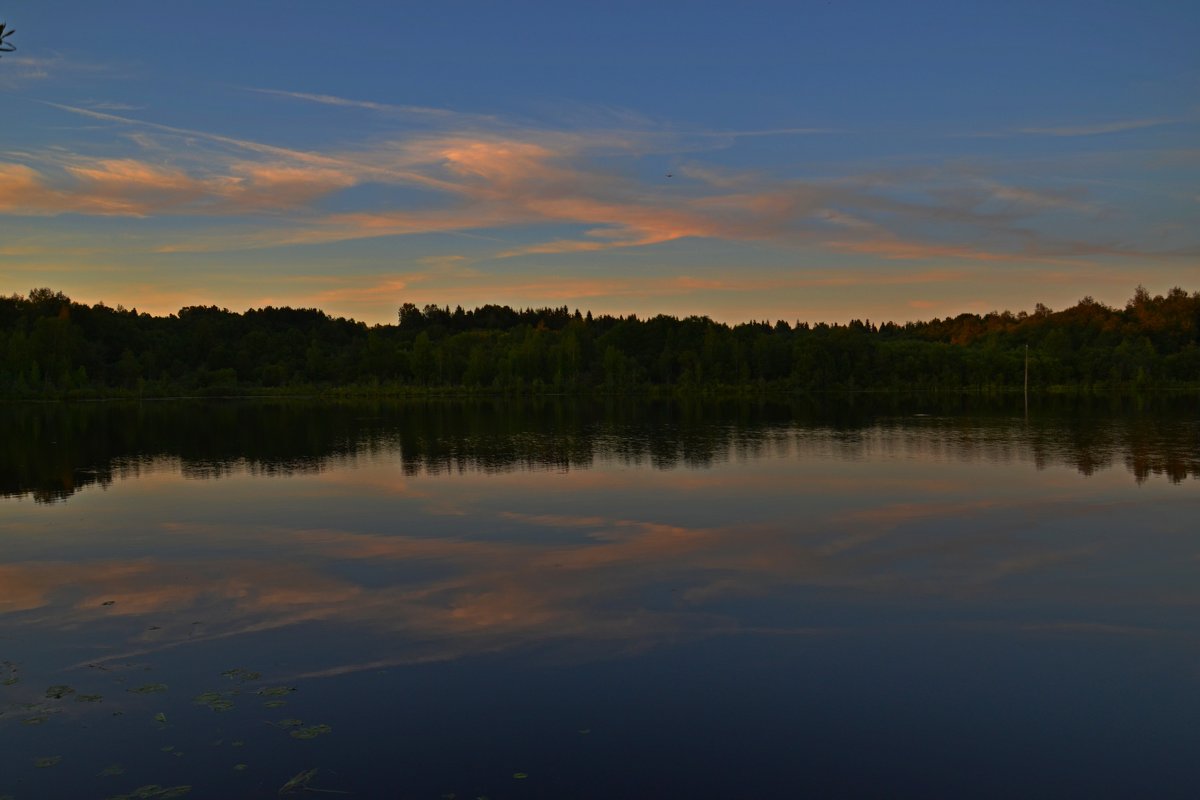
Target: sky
(812,161)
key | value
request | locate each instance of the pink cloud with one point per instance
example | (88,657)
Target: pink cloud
(276,185)
(517,178)
(129,187)
(898,250)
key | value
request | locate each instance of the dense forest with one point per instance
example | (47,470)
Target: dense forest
(51,346)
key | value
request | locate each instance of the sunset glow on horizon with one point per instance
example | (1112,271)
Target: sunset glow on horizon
(814,162)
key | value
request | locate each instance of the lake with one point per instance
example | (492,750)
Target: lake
(842,597)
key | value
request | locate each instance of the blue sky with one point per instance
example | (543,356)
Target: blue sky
(827,160)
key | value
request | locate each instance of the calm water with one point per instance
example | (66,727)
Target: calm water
(589,601)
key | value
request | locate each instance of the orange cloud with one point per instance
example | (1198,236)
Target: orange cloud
(281,185)
(499,163)
(898,250)
(472,286)
(128,187)
(480,173)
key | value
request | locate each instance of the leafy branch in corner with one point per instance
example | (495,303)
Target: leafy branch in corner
(5,45)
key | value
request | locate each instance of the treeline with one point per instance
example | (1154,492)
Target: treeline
(52,346)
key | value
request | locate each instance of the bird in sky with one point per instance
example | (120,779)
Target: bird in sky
(6,47)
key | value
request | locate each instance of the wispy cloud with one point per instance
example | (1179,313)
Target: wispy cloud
(129,187)
(245,144)
(1096,129)
(561,192)
(901,250)
(22,71)
(386,108)
(1071,130)
(472,286)
(284,153)
(108,105)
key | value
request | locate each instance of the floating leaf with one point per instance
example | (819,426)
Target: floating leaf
(276,691)
(89,698)
(299,781)
(290,723)
(584,731)
(110,770)
(311,732)
(239,767)
(154,792)
(240,674)
(46,761)
(34,720)
(149,688)
(59,692)
(167,748)
(237,743)
(214,700)
(9,681)
(275,704)
(160,717)
(520,775)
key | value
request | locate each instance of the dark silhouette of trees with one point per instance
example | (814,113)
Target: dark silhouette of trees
(52,346)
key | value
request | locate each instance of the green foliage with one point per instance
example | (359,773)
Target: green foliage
(53,347)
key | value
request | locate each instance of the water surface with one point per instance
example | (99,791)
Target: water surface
(564,599)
